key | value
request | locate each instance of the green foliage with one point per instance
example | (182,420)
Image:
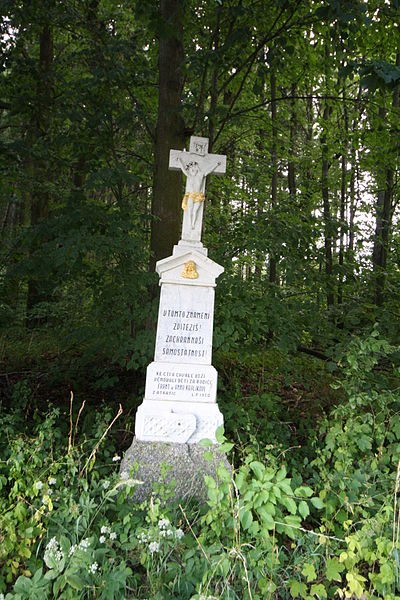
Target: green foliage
(356,470)
(308,524)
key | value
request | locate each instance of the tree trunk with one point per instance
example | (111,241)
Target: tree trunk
(343,198)
(167,187)
(40,169)
(327,212)
(274,166)
(292,133)
(383,217)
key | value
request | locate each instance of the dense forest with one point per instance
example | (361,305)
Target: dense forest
(302,96)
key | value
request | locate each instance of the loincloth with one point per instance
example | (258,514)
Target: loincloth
(194,196)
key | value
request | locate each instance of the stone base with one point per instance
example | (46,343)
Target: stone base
(181,422)
(187,468)
(184,245)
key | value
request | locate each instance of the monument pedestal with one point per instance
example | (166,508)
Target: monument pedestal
(181,467)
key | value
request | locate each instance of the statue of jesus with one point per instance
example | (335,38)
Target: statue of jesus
(196,165)
(195,185)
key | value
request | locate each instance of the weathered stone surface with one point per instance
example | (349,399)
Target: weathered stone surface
(187,462)
(168,421)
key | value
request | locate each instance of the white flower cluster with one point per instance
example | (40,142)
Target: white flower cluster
(106,531)
(53,553)
(116,458)
(166,530)
(154,547)
(38,485)
(52,481)
(93,568)
(142,537)
(84,544)
(1,596)
(106,485)
(163,523)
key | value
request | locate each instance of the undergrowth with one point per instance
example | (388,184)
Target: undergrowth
(308,512)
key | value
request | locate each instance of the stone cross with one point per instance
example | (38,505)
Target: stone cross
(180,405)
(196,165)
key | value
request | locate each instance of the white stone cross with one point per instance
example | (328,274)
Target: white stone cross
(196,165)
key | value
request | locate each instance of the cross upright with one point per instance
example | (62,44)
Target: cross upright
(196,165)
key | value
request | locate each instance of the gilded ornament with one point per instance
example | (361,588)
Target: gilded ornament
(189,270)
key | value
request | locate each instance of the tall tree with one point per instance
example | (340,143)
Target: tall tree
(170,132)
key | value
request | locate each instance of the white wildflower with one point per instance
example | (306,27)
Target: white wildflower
(116,458)
(53,553)
(84,544)
(170,533)
(113,535)
(52,481)
(49,492)
(52,544)
(93,568)
(154,547)
(163,523)
(142,537)
(105,529)
(179,534)
(1,596)
(106,485)
(38,485)
(163,533)
(102,539)
(71,550)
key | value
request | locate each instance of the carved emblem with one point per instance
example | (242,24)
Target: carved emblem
(189,270)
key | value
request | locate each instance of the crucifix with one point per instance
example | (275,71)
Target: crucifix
(196,165)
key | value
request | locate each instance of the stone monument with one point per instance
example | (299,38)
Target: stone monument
(180,402)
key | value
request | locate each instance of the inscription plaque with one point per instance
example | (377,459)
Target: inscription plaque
(185,324)
(183,382)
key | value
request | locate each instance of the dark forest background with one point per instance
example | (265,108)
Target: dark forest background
(303,99)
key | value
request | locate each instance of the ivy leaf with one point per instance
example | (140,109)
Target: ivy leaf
(333,569)
(309,572)
(318,590)
(297,588)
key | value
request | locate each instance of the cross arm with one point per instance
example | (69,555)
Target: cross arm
(216,164)
(174,162)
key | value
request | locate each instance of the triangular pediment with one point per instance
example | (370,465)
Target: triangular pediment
(189,268)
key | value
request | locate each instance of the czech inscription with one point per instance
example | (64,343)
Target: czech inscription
(166,381)
(184,332)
